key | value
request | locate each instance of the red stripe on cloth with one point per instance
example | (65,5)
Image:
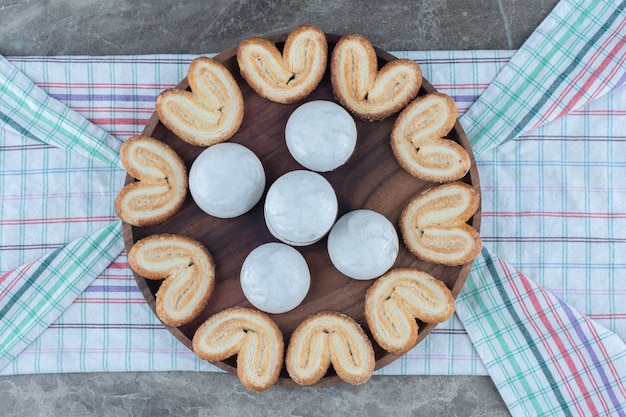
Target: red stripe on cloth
(57,220)
(15,279)
(600,50)
(568,215)
(540,311)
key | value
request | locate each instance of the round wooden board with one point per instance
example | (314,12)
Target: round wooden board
(371,179)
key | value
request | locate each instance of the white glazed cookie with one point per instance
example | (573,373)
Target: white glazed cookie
(211,112)
(289,76)
(252,336)
(433,224)
(365,91)
(396,299)
(418,142)
(188,271)
(162,185)
(325,338)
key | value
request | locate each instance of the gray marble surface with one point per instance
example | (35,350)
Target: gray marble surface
(114,27)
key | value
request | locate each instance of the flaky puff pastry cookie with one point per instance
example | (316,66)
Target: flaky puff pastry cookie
(187,269)
(365,91)
(325,338)
(211,112)
(418,142)
(289,76)
(433,224)
(252,336)
(399,297)
(162,182)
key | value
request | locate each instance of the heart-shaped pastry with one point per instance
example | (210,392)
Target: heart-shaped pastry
(290,76)
(364,90)
(211,112)
(188,271)
(252,336)
(325,338)
(433,224)
(399,297)
(418,142)
(162,185)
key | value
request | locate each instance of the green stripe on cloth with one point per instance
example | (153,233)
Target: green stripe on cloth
(31,301)
(550,70)
(30,111)
(545,358)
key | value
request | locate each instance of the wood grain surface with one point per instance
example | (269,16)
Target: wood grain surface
(371,179)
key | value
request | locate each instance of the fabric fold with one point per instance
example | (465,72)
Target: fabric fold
(28,110)
(545,357)
(577,54)
(35,295)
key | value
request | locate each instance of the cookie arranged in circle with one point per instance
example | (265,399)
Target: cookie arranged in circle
(162,182)
(434,224)
(211,112)
(399,297)
(418,142)
(289,76)
(252,336)
(367,92)
(187,269)
(329,338)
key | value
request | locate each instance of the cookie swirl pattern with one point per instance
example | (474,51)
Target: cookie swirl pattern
(399,297)
(368,93)
(418,142)
(162,185)
(211,112)
(290,76)
(252,336)
(433,224)
(325,338)
(188,271)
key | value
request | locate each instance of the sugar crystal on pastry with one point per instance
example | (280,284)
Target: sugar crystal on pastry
(226,180)
(275,278)
(321,135)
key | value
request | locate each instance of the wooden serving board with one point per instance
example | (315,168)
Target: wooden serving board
(371,179)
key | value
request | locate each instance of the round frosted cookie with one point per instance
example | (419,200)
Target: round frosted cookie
(211,112)
(226,180)
(289,76)
(418,142)
(325,338)
(399,297)
(369,93)
(252,336)
(433,224)
(187,269)
(275,278)
(363,244)
(162,182)
(300,207)
(321,135)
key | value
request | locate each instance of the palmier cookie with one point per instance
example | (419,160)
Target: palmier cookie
(162,185)
(252,336)
(325,338)
(399,297)
(433,224)
(288,77)
(211,112)
(188,271)
(365,91)
(418,142)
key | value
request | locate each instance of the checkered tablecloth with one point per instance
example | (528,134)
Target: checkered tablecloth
(543,311)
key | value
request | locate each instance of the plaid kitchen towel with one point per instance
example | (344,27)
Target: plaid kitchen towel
(553,207)
(545,357)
